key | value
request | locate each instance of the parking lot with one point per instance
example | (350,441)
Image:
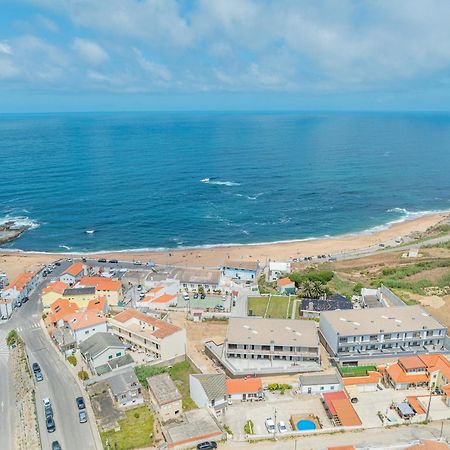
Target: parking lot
(210,301)
(285,405)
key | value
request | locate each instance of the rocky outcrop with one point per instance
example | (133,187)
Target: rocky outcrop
(11,230)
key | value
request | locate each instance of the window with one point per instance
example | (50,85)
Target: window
(118,354)
(110,357)
(322,388)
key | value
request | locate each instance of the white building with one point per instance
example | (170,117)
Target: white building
(84,324)
(209,390)
(73,273)
(277,269)
(241,270)
(313,384)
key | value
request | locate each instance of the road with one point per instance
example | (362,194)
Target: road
(59,384)
(374,438)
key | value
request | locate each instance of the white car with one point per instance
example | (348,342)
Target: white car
(186,297)
(282,427)
(270,425)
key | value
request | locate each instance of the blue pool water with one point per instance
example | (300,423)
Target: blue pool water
(171,180)
(305,424)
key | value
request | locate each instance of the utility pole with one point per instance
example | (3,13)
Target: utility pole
(275,422)
(429,406)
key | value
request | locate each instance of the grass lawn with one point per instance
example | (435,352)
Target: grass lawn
(180,375)
(356,371)
(277,309)
(135,432)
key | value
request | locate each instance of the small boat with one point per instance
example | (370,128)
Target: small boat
(205,180)
(90,231)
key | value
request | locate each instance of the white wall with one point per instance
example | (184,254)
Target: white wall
(197,392)
(320,388)
(83,333)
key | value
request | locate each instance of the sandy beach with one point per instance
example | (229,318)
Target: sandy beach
(15,262)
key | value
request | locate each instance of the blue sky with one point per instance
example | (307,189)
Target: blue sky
(77,55)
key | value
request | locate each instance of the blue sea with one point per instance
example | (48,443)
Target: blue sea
(168,180)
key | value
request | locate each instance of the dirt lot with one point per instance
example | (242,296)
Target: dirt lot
(197,334)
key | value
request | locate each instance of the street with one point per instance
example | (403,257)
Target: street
(59,384)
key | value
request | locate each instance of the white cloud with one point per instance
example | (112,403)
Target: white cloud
(158,71)
(7,69)
(5,48)
(90,51)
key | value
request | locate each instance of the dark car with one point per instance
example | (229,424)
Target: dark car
(57,263)
(80,403)
(56,445)
(83,259)
(50,423)
(102,260)
(203,296)
(36,367)
(195,295)
(206,445)
(354,400)
(113,261)
(25,299)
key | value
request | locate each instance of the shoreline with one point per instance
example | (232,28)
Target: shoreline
(14,261)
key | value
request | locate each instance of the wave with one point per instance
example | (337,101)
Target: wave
(66,247)
(219,182)
(20,221)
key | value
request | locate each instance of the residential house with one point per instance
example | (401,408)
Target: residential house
(160,297)
(313,384)
(165,396)
(84,324)
(125,388)
(244,389)
(101,348)
(365,383)
(19,288)
(209,390)
(285,286)
(59,309)
(426,444)
(267,346)
(241,270)
(80,295)
(355,334)
(278,269)
(197,279)
(158,339)
(52,292)
(99,304)
(106,287)
(73,273)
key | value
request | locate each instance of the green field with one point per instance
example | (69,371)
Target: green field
(275,306)
(136,430)
(357,371)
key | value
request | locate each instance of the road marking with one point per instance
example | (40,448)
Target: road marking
(2,405)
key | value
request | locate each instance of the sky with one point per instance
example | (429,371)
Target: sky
(108,55)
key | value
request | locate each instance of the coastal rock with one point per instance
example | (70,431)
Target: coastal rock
(9,231)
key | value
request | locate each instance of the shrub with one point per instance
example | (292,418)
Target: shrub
(136,415)
(357,288)
(228,429)
(72,360)
(248,427)
(12,338)
(83,375)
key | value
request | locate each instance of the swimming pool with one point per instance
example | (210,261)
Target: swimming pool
(306,424)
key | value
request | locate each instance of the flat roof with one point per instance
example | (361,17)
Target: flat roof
(380,320)
(79,291)
(200,276)
(163,389)
(241,265)
(318,380)
(299,333)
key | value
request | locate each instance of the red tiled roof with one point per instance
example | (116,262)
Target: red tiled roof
(243,386)
(425,444)
(345,412)
(412,362)
(21,281)
(55,286)
(97,304)
(75,269)
(284,281)
(330,396)
(61,308)
(415,404)
(100,283)
(396,372)
(162,329)
(166,298)
(371,378)
(84,319)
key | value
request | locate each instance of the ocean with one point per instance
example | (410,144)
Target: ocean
(170,180)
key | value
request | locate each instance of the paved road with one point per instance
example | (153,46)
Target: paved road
(374,438)
(59,384)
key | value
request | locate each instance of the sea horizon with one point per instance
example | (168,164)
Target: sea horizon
(162,180)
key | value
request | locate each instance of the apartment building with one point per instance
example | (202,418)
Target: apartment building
(159,340)
(357,334)
(267,346)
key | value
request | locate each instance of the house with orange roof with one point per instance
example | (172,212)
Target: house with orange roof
(242,389)
(163,302)
(104,286)
(426,444)
(19,287)
(99,304)
(366,383)
(160,297)
(340,410)
(59,309)
(73,273)
(53,291)
(84,324)
(158,339)
(286,286)
(342,447)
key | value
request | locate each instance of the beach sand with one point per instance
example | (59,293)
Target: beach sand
(14,262)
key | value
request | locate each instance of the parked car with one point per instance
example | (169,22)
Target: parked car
(186,297)
(270,425)
(38,376)
(282,427)
(57,263)
(56,445)
(208,445)
(36,367)
(83,259)
(19,304)
(219,307)
(50,423)
(137,263)
(101,260)
(203,296)
(47,407)
(195,295)
(113,261)
(80,403)
(25,299)
(354,400)
(83,416)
